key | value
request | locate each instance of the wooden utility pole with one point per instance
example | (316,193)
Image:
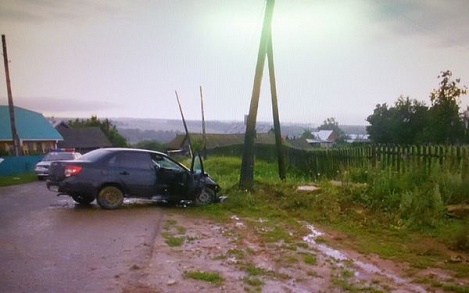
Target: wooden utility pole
(11,106)
(273,91)
(204,136)
(185,126)
(247,165)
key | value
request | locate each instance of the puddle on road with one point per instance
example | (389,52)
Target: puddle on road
(367,268)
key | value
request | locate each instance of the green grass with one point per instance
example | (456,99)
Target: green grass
(211,277)
(17,179)
(174,241)
(253,270)
(366,212)
(174,234)
(310,259)
(253,281)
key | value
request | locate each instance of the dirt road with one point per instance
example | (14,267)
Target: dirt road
(49,244)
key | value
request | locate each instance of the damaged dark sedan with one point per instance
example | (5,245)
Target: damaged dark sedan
(111,174)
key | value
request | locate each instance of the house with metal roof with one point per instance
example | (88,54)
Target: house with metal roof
(322,138)
(36,134)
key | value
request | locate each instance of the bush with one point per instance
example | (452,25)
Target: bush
(423,206)
(460,239)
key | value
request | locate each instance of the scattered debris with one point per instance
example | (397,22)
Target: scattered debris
(456,259)
(308,188)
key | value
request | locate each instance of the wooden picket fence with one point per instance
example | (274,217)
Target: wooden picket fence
(392,157)
(329,162)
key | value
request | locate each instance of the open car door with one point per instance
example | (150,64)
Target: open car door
(197,166)
(206,188)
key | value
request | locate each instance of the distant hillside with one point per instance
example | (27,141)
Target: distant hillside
(164,130)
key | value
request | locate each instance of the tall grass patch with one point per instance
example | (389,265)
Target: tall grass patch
(379,208)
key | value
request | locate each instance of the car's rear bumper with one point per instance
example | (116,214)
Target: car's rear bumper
(53,186)
(66,187)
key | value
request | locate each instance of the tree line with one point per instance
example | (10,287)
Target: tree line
(410,121)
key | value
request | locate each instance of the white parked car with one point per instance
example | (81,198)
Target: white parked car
(42,168)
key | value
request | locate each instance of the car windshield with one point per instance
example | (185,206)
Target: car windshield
(58,157)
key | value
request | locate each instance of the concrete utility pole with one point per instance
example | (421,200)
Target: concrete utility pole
(14,132)
(247,166)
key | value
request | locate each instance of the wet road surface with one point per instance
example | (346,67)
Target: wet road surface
(51,244)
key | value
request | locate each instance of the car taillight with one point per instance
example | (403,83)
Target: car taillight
(72,170)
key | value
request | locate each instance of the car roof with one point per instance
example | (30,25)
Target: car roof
(132,150)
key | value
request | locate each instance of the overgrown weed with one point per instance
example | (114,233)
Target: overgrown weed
(382,211)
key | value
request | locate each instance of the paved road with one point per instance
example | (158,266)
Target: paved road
(49,244)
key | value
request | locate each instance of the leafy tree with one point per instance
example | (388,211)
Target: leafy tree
(306,134)
(411,118)
(402,123)
(332,124)
(106,126)
(382,125)
(446,125)
(411,122)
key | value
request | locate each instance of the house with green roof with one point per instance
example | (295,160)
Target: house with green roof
(36,134)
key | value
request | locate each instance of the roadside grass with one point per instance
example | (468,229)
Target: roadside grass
(174,235)
(17,179)
(256,271)
(211,277)
(405,230)
(255,282)
(310,259)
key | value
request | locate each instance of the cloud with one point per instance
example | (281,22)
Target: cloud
(444,22)
(41,11)
(22,16)
(57,105)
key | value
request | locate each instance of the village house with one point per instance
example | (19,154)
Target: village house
(322,138)
(36,134)
(81,139)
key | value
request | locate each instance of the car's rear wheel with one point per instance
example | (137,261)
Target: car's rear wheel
(110,197)
(206,196)
(82,199)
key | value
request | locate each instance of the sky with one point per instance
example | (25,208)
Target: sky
(127,58)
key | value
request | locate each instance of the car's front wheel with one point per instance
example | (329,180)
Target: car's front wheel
(82,199)
(110,197)
(206,196)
